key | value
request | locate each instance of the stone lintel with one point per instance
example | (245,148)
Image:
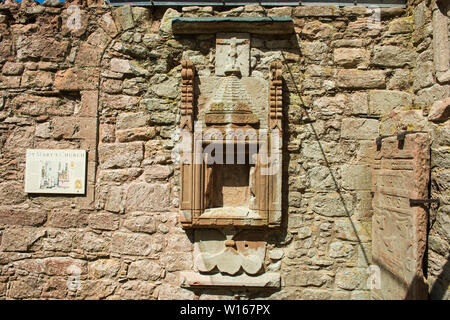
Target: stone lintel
(266,280)
(260,25)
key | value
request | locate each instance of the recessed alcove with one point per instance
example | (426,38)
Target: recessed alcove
(230,184)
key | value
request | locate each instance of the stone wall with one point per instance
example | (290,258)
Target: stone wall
(110,84)
(431,78)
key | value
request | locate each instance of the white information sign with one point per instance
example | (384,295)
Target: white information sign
(55,171)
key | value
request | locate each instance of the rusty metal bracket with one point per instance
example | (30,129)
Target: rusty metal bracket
(414,202)
(401,135)
(379,139)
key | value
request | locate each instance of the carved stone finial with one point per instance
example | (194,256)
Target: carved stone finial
(275,96)
(187,94)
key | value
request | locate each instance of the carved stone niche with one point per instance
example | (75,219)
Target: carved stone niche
(231,166)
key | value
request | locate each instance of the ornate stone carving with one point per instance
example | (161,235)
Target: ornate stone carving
(400,173)
(229,253)
(275,96)
(187,94)
(233,54)
(231,173)
(186,125)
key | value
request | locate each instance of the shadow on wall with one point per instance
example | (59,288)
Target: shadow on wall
(441,284)
(417,289)
(316,136)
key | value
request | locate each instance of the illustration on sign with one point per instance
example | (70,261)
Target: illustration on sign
(55,171)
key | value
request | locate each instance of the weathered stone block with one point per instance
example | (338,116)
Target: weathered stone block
(36,46)
(61,240)
(22,239)
(140,222)
(136,290)
(440,41)
(352,230)
(103,221)
(12,191)
(426,97)
(114,199)
(359,103)
(71,127)
(22,217)
(401,25)
(400,80)
(423,75)
(122,155)
(10,82)
(314,30)
(177,261)
(179,242)
(89,104)
(108,24)
(167,89)
(120,175)
(358,79)
(96,289)
(349,57)
(145,270)
(35,106)
(119,102)
(332,204)
(60,218)
(440,111)
(94,243)
(143,196)
(55,266)
(88,55)
(120,65)
(316,11)
(340,249)
(76,79)
(385,101)
(136,134)
(359,129)
(157,172)
(132,120)
(421,15)
(316,50)
(124,17)
(352,278)
(104,268)
(43,130)
(55,288)
(174,292)
(26,288)
(393,56)
(131,244)
(321,178)
(12,68)
(166,22)
(304,278)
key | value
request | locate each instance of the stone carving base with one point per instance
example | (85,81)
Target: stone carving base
(193,279)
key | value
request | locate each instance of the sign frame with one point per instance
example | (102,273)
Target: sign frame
(56,171)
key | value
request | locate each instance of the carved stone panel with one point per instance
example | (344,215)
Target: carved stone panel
(231,174)
(229,257)
(400,173)
(233,54)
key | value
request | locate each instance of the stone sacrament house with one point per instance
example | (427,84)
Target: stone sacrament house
(351,101)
